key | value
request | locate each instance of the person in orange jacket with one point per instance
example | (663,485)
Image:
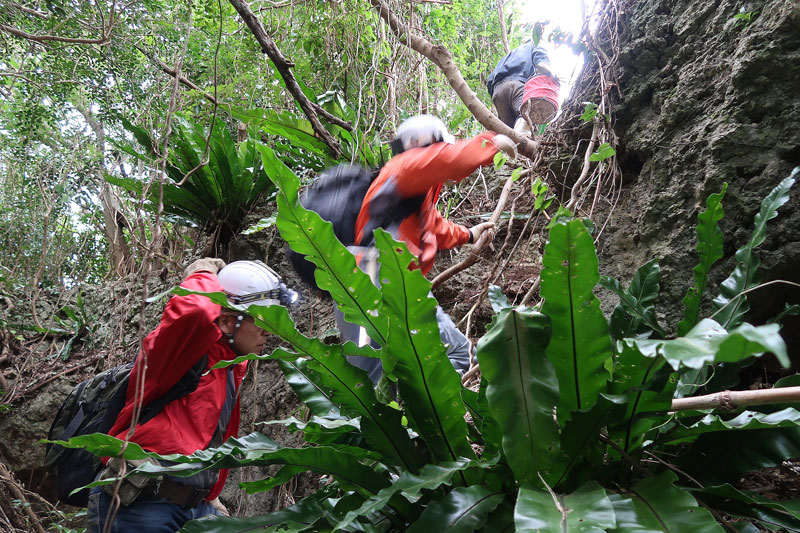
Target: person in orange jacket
(425,157)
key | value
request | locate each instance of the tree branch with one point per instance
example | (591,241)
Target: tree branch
(284,68)
(502,19)
(43,38)
(442,58)
(483,240)
(731,399)
(165,68)
(106,34)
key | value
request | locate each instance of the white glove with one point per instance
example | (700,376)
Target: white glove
(475,232)
(211,264)
(505,144)
(219,506)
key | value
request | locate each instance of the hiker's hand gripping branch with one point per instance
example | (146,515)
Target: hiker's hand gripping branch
(506,145)
(211,264)
(219,506)
(475,232)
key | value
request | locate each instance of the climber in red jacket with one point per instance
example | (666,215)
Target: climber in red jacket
(191,326)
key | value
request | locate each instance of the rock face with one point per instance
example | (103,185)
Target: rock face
(704,98)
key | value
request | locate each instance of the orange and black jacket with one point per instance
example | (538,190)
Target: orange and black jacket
(420,172)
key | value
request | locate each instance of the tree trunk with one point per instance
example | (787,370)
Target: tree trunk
(114,220)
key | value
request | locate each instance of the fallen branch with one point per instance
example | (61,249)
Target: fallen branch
(484,239)
(729,400)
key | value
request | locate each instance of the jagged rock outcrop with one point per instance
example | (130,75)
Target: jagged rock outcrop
(702,98)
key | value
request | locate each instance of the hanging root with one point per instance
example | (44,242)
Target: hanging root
(15,510)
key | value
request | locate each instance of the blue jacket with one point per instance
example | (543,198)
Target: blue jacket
(519,64)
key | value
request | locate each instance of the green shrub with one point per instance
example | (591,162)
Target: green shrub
(571,429)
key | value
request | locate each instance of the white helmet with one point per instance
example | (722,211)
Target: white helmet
(420,130)
(252,282)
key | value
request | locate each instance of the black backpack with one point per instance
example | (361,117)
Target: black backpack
(336,195)
(92,407)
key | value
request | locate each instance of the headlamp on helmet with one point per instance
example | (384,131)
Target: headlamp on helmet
(253,282)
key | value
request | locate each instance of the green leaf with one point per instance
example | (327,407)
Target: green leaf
(497,298)
(580,344)
(723,457)
(261,225)
(580,442)
(743,504)
(603,152)
(587,509)
(428,384)
(295,518)
(515,174)
(491,432)
(431,477)
(463,510)
(709,250)
(499,160)
(655,504)
(522,392)
(708,342)
(747,420)
(731,304)
(257,449)
(336,272)
(589,111)
(638,379)
(297,131)
(317,399)
(635,315)
(788,310)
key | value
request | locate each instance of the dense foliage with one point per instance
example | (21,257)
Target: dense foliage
(571,427)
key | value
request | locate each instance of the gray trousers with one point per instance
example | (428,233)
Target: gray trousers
(507,98)
(458,345)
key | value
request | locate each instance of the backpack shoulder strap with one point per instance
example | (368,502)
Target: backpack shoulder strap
(186,385)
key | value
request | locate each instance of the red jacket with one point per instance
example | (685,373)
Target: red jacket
(423,171)
(186,332)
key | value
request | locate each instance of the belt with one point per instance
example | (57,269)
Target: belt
(186,496)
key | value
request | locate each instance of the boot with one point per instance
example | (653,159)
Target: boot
(539,110)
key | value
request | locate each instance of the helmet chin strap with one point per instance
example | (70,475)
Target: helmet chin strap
(239,320)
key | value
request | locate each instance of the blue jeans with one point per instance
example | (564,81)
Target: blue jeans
(146,514)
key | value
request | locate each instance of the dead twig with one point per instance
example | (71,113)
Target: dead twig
(14,488)
(38,386)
